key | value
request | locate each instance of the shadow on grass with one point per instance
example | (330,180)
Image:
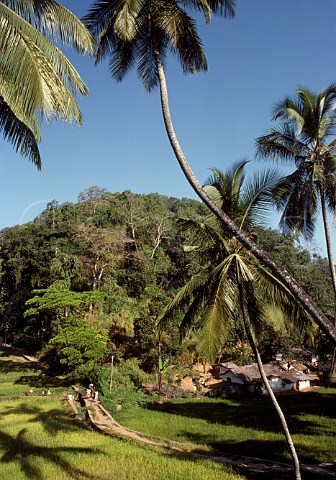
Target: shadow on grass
(22,450)
(53,421)
(19,449)
(255,412)
(250,448)
(43,380)
(254,470)
(10,366)
(32,373)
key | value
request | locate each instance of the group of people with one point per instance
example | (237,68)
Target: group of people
(92,392)
(31,392)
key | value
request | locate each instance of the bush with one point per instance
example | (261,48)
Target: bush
(127,382)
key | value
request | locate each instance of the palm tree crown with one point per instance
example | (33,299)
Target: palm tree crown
(137,32)
(303,138)
(307,123)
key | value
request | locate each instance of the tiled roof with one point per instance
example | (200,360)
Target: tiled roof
(248,373)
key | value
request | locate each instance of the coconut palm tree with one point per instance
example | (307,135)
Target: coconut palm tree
(36,79)
(303,139)
(232,283)
(142,32)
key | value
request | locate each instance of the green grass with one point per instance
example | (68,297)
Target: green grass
(246,426)
(17,376)
(40,441)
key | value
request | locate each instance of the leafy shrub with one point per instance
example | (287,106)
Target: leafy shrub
(127,382)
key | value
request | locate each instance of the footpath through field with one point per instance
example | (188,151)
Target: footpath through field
(102,421)
(254,468)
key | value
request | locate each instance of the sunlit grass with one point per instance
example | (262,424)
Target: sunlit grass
(40,441)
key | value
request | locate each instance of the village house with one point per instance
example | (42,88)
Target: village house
(241,379)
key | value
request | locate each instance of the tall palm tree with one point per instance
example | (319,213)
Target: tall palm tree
(232,282)
(37,81)
(303,139)
(144,31)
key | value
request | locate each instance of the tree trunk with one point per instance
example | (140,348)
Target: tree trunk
(328,241)
(232,228)
(249,334)
(332,272)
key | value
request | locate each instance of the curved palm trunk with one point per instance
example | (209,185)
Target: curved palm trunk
(251,246)
(328,240)
(249,334)
(331,267)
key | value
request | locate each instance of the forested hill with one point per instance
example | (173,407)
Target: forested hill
(117,257)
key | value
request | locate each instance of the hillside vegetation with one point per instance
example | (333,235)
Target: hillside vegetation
(88,280)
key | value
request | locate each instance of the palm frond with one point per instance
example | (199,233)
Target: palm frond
(125,23)
(213,332)
(227,8)
(215,318)
(122,58)
(104,12)
(243,271)
(40,80)
(297,197)
(19,134)
(203,234)
(151,39)
(200,5)
(274,316)
(56,21)
(330,195)
(224,188)
(276,293)
(180,28)
(258,198)
(237,175)
(183,297)
(281,144)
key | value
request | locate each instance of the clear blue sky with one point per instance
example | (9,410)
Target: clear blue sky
(270,49)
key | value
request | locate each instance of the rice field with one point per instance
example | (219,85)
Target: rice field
(245,426)
(40,441)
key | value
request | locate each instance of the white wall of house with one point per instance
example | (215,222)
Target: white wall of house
(303,384)
(231,378)
(277,385)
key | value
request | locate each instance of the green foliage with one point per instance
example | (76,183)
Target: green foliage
(80,344)
(57,298)
(128,380)
(310,270)
(107,268)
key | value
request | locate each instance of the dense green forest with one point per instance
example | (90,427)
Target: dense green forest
(88,280)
